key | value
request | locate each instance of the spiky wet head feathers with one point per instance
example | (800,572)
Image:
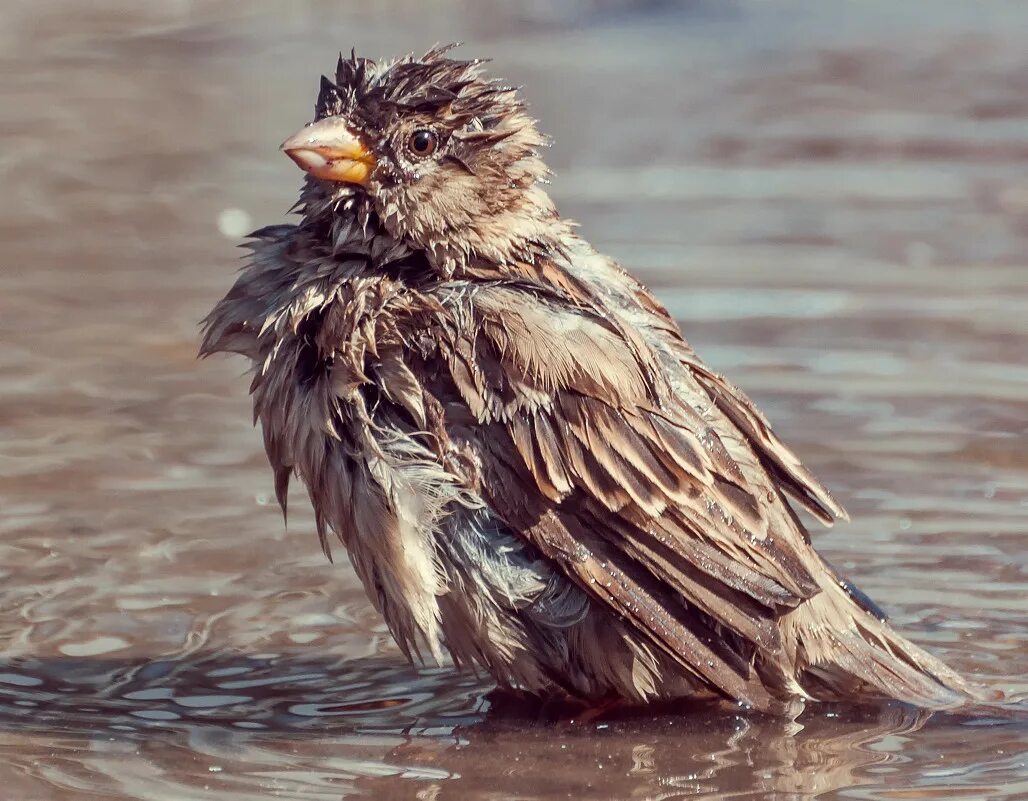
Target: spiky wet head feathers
(475,192)
(375,92)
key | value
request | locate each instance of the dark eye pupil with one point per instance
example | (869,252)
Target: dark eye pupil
(423,142)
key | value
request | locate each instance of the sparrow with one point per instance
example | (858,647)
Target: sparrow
(528,465)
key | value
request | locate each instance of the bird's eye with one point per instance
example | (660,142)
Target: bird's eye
(423,142)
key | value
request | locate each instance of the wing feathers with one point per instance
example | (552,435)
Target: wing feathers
(784,465)
(629,487)
(606,573)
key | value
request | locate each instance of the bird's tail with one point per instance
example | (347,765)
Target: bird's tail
(843,649)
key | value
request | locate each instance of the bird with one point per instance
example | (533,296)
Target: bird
(531,470)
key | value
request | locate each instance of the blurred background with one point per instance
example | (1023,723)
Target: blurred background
(832,197)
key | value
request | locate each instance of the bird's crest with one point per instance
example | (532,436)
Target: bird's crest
(429,83)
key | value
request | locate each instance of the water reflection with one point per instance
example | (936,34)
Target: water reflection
(281,693)
(304,726)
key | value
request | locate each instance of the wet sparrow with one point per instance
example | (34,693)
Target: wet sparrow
(529,466)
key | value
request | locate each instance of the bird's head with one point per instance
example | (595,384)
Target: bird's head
(446,158)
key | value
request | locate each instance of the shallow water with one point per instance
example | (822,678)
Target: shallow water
(832,198)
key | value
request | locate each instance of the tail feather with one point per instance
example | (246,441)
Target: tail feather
(891,672)
(843,651)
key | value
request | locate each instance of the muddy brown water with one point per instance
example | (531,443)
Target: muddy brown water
(831,197)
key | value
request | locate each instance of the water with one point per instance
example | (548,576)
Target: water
(832,197)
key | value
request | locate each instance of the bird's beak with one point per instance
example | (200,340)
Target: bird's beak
(330,150)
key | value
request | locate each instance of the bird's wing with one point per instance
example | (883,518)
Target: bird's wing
(781,463)
(653,502)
